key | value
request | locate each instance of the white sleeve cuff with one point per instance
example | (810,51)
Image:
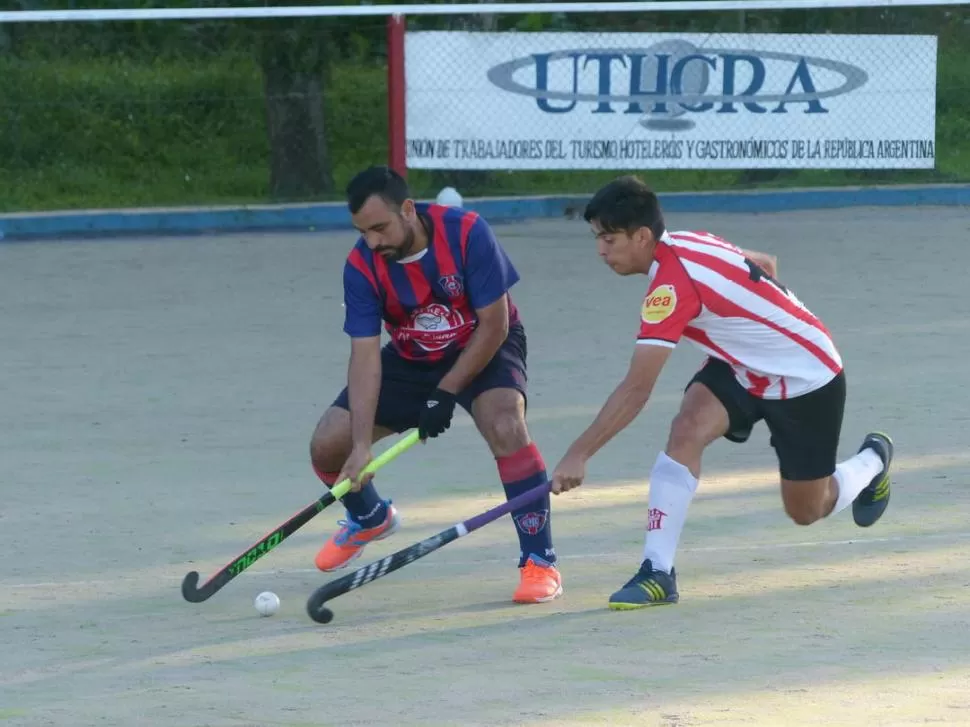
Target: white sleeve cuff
(656,342)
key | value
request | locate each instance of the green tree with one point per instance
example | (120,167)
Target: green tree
(294,63)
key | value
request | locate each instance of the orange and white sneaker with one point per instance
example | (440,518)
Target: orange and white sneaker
(540,581)
(348,542)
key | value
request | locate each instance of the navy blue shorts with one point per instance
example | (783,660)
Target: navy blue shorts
(406,385)
(804,430)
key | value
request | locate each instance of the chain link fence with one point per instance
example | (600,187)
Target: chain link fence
(178,113)
(173,113)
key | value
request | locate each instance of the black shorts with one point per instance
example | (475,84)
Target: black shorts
(406,385)
(805,429)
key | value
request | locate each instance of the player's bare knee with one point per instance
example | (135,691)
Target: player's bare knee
(505,431)
(687,436)
(804,503)
(330,443)
(500,417)
(801,514)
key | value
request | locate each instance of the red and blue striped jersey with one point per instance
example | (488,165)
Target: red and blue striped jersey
(427,302)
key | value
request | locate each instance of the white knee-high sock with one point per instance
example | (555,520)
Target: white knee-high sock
(853,476)
(672,487)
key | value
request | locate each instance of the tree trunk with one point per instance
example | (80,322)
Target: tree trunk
(299,162)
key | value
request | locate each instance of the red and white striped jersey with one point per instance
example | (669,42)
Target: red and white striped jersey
(704,289)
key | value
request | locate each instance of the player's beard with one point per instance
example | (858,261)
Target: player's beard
(401,251)
(408,245)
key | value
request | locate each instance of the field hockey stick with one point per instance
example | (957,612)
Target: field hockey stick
(316,604)
(190,584)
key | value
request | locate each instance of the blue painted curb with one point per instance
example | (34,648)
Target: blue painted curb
(334,216)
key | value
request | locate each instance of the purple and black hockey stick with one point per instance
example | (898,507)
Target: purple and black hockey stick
(316,604)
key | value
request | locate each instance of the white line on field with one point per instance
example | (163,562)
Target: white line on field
(579,556)
(710,549)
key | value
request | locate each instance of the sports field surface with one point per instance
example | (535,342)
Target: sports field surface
(158,397)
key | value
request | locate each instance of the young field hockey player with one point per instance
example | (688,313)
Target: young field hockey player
(438,281)
(769,358)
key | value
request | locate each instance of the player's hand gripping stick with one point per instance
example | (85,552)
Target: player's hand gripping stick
(316,604)
(191,590)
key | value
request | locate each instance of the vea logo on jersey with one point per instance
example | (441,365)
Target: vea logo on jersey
(673,83)
(659,304)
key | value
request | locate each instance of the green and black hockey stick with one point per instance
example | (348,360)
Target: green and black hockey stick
(194,593)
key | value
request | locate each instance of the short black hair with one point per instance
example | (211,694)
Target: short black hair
(380,180)
(624,205)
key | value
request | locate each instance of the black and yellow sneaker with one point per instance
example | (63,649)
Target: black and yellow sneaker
(648,587)
(871,502)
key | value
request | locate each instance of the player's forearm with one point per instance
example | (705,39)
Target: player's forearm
(364,387)
(481,348)
(623,406)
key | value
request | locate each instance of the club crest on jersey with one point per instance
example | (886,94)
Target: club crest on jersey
(659,304)
(433,327)
(452,285)
(532,523)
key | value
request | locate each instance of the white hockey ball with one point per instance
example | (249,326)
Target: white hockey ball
(267,603)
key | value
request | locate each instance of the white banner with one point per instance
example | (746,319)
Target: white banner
(669,101)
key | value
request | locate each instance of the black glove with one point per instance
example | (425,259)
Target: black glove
(436,415)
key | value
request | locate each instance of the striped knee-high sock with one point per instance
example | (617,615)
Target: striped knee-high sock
(520,472)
